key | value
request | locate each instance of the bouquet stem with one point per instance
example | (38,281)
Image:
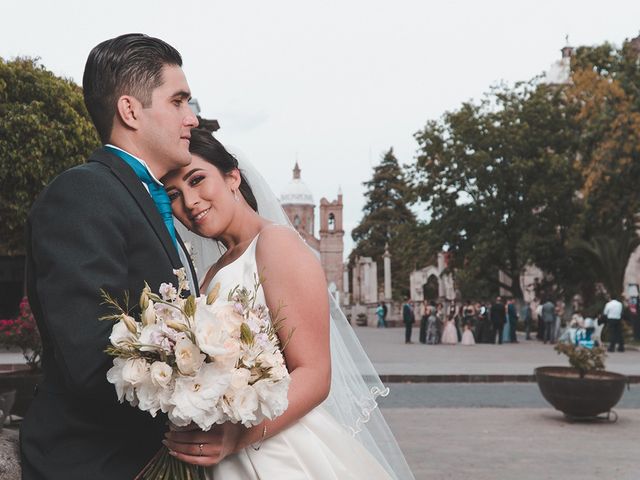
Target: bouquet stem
(166,467)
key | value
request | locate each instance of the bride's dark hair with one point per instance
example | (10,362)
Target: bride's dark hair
(204,144)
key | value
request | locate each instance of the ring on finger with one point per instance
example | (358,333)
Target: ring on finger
(200,448)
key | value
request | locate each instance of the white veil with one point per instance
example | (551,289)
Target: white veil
(355,384)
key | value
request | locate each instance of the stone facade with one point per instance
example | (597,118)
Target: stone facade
(419,278)
(365,281)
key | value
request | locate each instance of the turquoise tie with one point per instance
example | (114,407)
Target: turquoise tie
(158,193)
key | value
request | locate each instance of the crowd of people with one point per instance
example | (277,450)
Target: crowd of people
(469,323)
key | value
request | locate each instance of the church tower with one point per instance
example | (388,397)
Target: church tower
(331,243)
(297,202)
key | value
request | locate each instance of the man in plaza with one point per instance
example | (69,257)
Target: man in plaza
(613,313)
(498,315)
(512,318)
(105,224)
(527,315)
(548,314)
(409,318)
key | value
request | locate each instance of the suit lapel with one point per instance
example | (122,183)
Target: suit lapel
(132,183)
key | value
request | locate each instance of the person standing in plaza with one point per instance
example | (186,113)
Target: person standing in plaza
(385,312)
(422,337)
(498,316)
(548,314)
(432,326)
(380,315)
(613,312)
(512,318)
(439,321)
(527,315)
(409,317)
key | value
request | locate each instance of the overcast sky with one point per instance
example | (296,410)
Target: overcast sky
(332,84)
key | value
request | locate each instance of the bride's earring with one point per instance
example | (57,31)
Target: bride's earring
(235,195)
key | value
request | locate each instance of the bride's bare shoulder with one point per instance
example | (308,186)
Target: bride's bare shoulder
(282,244)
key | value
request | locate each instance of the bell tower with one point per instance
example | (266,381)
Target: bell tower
(332,242)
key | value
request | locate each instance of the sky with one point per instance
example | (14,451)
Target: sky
(331,84)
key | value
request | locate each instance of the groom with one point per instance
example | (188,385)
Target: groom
(104,225)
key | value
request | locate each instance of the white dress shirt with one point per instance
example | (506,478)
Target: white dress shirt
(613,310)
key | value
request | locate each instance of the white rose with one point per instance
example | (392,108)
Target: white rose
(196,398)
(273,396)
(135,371)
(223,312)
(244,404)
(161,374)
(152,338)
(188,357)
(121,335)
(148,397)
(124,390)
(240,378)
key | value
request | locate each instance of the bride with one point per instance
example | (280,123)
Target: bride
(332,428)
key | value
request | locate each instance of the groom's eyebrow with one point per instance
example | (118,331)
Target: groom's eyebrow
(183,95)
(184,179)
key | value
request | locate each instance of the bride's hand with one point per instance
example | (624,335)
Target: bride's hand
(204,448)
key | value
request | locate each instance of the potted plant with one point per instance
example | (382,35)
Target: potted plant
(584,390)
(22,332)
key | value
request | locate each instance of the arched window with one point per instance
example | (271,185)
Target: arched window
(332,222)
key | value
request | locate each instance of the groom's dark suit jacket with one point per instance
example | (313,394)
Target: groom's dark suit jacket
(94,227)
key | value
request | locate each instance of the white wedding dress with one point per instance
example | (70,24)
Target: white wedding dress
(315,447)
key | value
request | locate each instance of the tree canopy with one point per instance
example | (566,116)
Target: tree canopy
(44,129)
(388,220)
(533,173)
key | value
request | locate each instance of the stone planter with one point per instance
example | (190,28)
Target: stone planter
(580,398)
(24,383)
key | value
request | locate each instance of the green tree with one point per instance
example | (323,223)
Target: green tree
(606,256)
(387,220)
(44,129)
(497,180)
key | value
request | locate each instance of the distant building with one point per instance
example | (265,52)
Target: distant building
(297,201)
(559,72)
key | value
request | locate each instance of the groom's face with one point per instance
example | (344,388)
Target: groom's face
(165,126)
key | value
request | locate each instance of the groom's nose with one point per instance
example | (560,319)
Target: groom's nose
(191,120)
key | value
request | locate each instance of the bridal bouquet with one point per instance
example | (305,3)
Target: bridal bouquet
(205,360)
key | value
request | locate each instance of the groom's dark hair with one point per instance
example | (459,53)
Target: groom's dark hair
(130,64)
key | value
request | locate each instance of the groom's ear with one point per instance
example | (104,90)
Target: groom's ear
(128,111)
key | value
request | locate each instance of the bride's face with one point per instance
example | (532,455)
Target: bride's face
(202,197)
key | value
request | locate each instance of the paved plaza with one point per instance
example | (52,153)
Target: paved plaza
(497,431)
(391,356)
(493,431)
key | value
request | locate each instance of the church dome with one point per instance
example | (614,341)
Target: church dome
(296,192)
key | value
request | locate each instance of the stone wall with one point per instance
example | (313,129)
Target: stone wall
(9,455)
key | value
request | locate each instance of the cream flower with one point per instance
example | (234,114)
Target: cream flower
(135,371)
(188,357)
(124,390)
(161,374)
(273,396)
(196,398)
(121,336)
